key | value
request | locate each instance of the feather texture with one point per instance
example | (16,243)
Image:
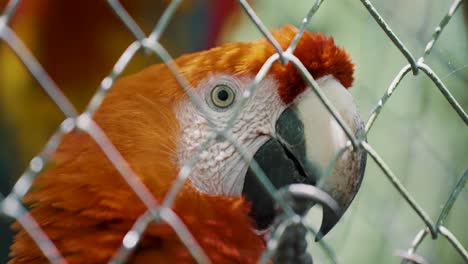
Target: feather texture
(84,205)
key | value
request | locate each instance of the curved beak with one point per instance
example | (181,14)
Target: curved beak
(284,161)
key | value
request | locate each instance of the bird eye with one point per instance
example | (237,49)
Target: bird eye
(222,96)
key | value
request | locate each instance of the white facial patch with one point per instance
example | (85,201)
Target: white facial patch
(219,167)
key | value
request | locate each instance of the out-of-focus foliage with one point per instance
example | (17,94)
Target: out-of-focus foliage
(418,134)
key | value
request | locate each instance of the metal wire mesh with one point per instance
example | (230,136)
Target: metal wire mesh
(160,211)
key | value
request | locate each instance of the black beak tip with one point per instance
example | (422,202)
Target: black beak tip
(329,220)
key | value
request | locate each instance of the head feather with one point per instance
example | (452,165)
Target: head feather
(318,53)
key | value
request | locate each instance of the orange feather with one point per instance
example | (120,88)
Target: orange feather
(84,205)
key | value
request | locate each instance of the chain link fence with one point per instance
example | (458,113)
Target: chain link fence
(12,206)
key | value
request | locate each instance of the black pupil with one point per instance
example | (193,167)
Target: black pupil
(223,95)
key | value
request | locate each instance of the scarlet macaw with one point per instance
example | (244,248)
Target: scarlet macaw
(85,206)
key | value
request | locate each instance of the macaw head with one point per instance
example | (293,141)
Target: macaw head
(281,125)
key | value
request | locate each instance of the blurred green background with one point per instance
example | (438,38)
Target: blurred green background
(418,134)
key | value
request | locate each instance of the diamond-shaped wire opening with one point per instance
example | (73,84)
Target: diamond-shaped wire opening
(85,123)
(433,229)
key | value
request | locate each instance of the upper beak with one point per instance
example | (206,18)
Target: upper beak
(284,161)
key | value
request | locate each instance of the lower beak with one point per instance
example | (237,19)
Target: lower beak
(280,170)
(283,159)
